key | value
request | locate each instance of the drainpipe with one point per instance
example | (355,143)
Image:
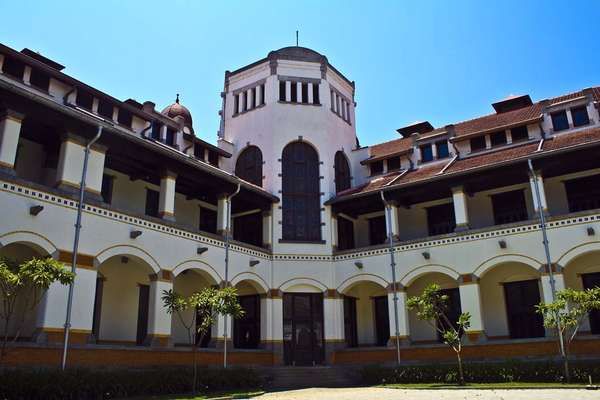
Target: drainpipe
(76,244)
(388,218)
(547,252)
(227,238)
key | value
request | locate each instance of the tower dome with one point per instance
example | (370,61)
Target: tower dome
(177,110)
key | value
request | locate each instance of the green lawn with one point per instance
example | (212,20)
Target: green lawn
(501,385)
(241,394)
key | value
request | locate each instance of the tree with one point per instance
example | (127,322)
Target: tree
(565,315)
(205,305)
(432,306)
(22,286)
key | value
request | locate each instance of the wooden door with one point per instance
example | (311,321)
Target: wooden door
(382,320)
(350,326)
(521,298)
(142,321)
(246,330)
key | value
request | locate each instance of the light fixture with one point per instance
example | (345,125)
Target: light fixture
(35,210)
(201,250)
(359,264)
(254,263)
(426,255)
(591,231)
(135,234)
(502,244)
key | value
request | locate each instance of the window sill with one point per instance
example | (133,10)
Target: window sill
(247,111)
(288,241)
(295,103)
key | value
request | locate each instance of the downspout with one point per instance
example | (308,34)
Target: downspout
(76,245)
(547,252)
(227,238)
(388,218)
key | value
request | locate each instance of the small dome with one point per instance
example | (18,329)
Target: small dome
(177,110)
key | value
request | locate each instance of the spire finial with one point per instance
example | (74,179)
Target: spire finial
(177,99)
(296,38)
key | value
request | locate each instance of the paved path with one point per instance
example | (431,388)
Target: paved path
(404,394)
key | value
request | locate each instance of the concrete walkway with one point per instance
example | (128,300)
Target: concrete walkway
(405,394)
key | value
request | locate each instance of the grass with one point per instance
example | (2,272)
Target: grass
(242,394)
(488,386)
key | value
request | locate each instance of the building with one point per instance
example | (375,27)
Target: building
(309,254)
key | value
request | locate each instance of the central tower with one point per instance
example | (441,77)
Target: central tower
(288,119)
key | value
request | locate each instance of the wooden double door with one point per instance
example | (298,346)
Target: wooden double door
(303,332)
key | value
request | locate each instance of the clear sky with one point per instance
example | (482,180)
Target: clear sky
(442,61)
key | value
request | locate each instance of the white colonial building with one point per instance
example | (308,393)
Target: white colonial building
(310,251)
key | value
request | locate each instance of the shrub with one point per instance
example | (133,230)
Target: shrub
(508,371)
(97,384)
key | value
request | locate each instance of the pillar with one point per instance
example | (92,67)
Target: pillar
(470,301)
(52,310)
(334,231)
(259,95)
(288,91)
(311,95)
(1,62)
(159,320)
(540,180)
(70,166)
(222,214)
(27,75)
(166,203)
(10,130)
(461,212)
(115,114)
(333,316)
(559,282)
(249,100)
(299,92)
(240,102)
(403,328)
(267,221)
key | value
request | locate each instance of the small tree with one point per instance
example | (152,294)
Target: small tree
(566,314)
(205,305)
(432,306)
(24,285)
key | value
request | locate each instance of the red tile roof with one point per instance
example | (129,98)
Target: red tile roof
(476,162)
(497,121)
(388,149)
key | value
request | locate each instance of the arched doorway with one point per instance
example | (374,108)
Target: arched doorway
(366,315)
(583,272)
(342,172)
(247,329)
(301,201)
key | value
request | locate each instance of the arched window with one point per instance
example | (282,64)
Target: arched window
(249,165)
(342,172)
(300,192)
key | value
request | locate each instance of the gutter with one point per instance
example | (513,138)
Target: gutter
(121,132)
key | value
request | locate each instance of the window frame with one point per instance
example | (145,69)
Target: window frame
(554,117)
(478,140)
(422,149)
(587,116)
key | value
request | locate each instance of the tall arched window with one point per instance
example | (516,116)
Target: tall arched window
(300,193)
(342,172)
(249,165)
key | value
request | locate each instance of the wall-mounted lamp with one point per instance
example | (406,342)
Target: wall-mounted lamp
(35,210)
(502,244)
(426,255)
(201,250)
(124,260)
(590,231)
(135,234)
(254,263)
(359,264)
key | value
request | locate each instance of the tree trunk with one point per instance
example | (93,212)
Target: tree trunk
(566,364)
(461,376)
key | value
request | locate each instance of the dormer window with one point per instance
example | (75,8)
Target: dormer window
(84,99)
(498,139)
(442,149)
(560,122)
(105,109)
(426,153)
(39,80)
(377,167)
(13,67)
(477,143)
(170,138)
(124,118)
(393,163)
(519,134)
(580,116)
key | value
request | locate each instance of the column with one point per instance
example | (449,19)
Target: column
(10,130)
(27,75)
(403,327)
(259,95)
(333,316)
(275,325)
(288,91)
(311,95)
(559,282)
(393,224)
(163,134)
(166,203)
(334,231)
(222,214)
(508,136)
(299,92)
(1,62)
(540,181)
(115,114)
(52,310)
(159,320)
(70,166)
(461,212)
(95,105)
(267,221)
(488,142)
(470,301)
(240,102)
(249,100)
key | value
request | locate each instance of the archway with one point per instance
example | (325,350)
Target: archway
(249,165)
(583,272)
(247,332)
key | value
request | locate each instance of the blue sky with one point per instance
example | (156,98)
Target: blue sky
(442,61)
